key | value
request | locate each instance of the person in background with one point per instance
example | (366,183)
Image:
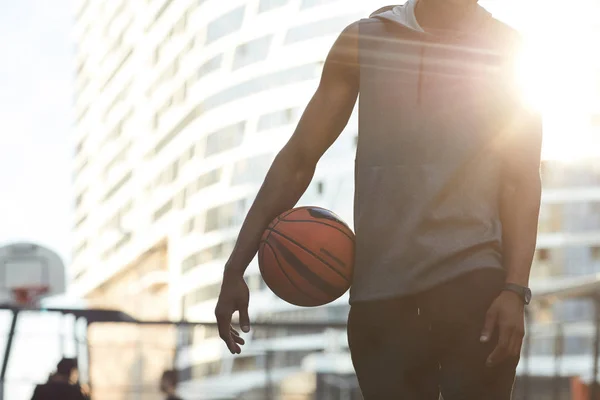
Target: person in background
(168,384)
(63,384)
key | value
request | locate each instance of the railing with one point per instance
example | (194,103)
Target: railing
(287,361)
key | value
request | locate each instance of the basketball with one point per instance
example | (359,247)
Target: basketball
(306,256)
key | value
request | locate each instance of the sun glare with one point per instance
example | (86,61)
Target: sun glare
(558,72)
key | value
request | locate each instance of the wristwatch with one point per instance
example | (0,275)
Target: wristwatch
(523,292)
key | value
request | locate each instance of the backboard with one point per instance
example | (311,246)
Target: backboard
(30,265)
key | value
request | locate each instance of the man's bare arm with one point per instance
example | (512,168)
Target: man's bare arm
(292,171)
(521,193)
(521,196)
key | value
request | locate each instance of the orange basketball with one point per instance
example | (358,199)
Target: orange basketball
(306,256)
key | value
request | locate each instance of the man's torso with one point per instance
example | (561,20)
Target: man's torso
(432,112)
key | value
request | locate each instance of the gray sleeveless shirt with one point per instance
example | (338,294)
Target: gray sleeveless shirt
(432,111)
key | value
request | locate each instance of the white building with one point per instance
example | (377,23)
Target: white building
(181,107)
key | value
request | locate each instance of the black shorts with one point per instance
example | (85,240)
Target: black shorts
(416,347)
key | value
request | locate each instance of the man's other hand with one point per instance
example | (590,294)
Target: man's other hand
(234,296)
(506,314)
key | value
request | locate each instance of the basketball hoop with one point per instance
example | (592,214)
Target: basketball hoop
(28,296)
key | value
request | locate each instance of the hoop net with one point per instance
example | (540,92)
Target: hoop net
(28,296)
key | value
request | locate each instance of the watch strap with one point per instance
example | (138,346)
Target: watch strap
(521,291)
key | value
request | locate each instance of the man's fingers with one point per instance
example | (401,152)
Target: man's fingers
(238,340)
(224,324)
(489,325)
(502,348)
(517,342)
(244,318)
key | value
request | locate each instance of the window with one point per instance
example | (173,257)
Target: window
(276,119)
(121,157)
(595,252)
(167,75)
(171,173)
(79,199)
(551,218)
(80,168)
(210,66)
(225,216)
(188,119)
(320,187)
(114,224)
(209,254)
(187,156)
(119,98)
(205,180)
(201,294)
(224,139)
(251,169)
(118,68)
(79,275)
(263,83)
(82,9)
(162,10)
(189,226)
(83,113)
(290,358)
(543,255)
(80,146)
(80,249)
(81,221)
(212,220)
(313,3)
(180,25)
(179,199)
(118,186)
(251,52)
(225,25)
(316,29)
(180,94)
(206,369)
(267,5)
(125,238)
(163,210)
(241,364)
(208,179)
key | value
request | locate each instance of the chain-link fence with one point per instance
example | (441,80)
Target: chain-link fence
(283,361)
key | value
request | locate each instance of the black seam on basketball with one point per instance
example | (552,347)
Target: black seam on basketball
(288,277)
(328,254)
(312,221)
(270,229)
(312,254)
(305,272)
(285,214)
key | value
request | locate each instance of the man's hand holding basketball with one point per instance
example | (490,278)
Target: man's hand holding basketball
(507,314)
(234,296)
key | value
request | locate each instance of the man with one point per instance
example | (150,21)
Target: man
(447,196)
(168,384)
(63,384)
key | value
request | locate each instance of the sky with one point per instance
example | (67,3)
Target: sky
(36,122)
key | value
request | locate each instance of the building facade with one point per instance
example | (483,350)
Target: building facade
(181,107)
